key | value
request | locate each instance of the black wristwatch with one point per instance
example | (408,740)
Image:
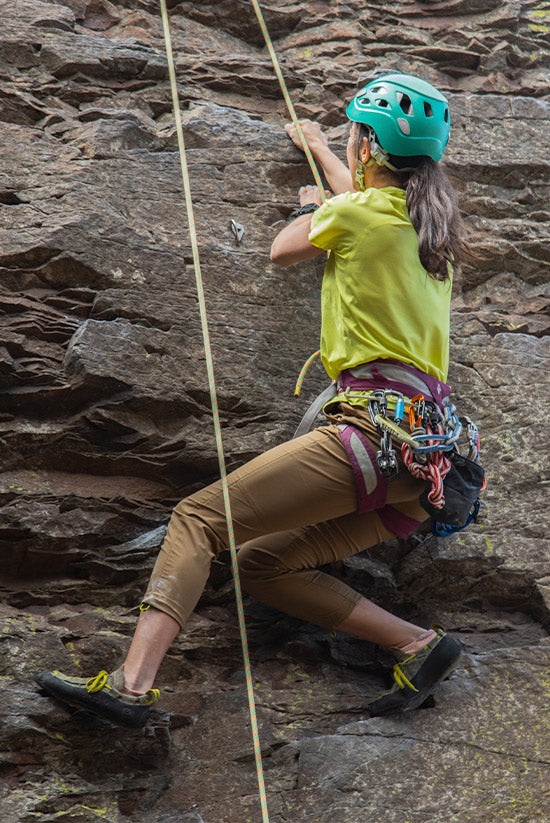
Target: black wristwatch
(307,209)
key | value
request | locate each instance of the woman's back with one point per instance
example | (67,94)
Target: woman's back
(378,301)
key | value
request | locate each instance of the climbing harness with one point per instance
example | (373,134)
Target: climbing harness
(357,384)
(430,451)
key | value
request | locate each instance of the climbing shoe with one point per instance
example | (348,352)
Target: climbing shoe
(102,695)
(417,675)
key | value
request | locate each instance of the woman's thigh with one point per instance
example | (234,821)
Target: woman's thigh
(312,546)
(299,483)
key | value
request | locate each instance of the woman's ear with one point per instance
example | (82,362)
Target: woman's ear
(364,150)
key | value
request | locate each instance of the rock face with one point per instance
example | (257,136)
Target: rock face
(105,413)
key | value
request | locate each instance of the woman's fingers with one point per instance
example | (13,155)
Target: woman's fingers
(311,131)
(310,194)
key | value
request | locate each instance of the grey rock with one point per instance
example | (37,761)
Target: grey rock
(105,421)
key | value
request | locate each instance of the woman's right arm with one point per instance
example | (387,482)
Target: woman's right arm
(337,173)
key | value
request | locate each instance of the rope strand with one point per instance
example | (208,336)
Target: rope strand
(288,101)
(215,409)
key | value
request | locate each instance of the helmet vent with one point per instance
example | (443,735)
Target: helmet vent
(404,125)
(428,110)
(446,116)
(405,102)
(382,103)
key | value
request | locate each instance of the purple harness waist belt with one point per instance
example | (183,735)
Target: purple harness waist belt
(394,376)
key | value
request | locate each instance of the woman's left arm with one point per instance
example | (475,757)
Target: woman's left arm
(292,243)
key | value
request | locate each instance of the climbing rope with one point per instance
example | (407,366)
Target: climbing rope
(288,101)
(214,403)
(433,471)
(304,371)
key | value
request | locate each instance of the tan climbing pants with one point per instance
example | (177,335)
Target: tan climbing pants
(293,511)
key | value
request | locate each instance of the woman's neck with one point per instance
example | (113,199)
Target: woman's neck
(379,177)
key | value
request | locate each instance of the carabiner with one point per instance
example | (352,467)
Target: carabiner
(416,422)
(399,409)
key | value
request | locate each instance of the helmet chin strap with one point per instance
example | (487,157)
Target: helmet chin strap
(360,170)
(377,153)
(379,156)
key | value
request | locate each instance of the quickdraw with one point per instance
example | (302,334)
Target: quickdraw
(432,430)
(378,409)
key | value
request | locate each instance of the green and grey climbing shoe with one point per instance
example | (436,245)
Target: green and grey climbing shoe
(417,675)
(102,695)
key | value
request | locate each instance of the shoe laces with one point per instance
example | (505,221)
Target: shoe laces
(95,684)
(400,677)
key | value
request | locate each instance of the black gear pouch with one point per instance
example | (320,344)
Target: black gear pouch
(461,488)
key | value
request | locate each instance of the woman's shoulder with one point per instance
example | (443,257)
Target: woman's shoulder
(348,201)
(371,197)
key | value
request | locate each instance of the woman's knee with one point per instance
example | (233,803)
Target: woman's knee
(256,566)
(192,537)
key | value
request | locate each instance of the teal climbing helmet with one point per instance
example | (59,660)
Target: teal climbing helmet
(409,116)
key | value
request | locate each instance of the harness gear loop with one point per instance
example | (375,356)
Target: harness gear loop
(214,404)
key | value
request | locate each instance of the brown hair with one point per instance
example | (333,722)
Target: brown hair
(434,213)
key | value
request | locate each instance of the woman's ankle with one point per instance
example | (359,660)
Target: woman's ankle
(121,684)
(413,646)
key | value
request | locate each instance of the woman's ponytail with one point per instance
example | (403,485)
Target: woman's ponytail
(434,213)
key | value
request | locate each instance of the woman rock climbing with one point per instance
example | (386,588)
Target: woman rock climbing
(393,233)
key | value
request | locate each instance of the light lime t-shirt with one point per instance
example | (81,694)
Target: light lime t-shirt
(377,300)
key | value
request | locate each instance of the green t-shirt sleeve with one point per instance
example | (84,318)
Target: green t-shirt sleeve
(335,224)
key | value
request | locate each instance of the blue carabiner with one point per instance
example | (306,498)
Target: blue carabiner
(399,410)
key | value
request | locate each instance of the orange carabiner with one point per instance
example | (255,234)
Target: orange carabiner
(414,422)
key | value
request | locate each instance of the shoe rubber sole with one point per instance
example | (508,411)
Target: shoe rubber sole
(417,700)
(427,678)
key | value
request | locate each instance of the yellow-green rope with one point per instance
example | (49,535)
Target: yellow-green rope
(304,371)
(214,402)
(288,101)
